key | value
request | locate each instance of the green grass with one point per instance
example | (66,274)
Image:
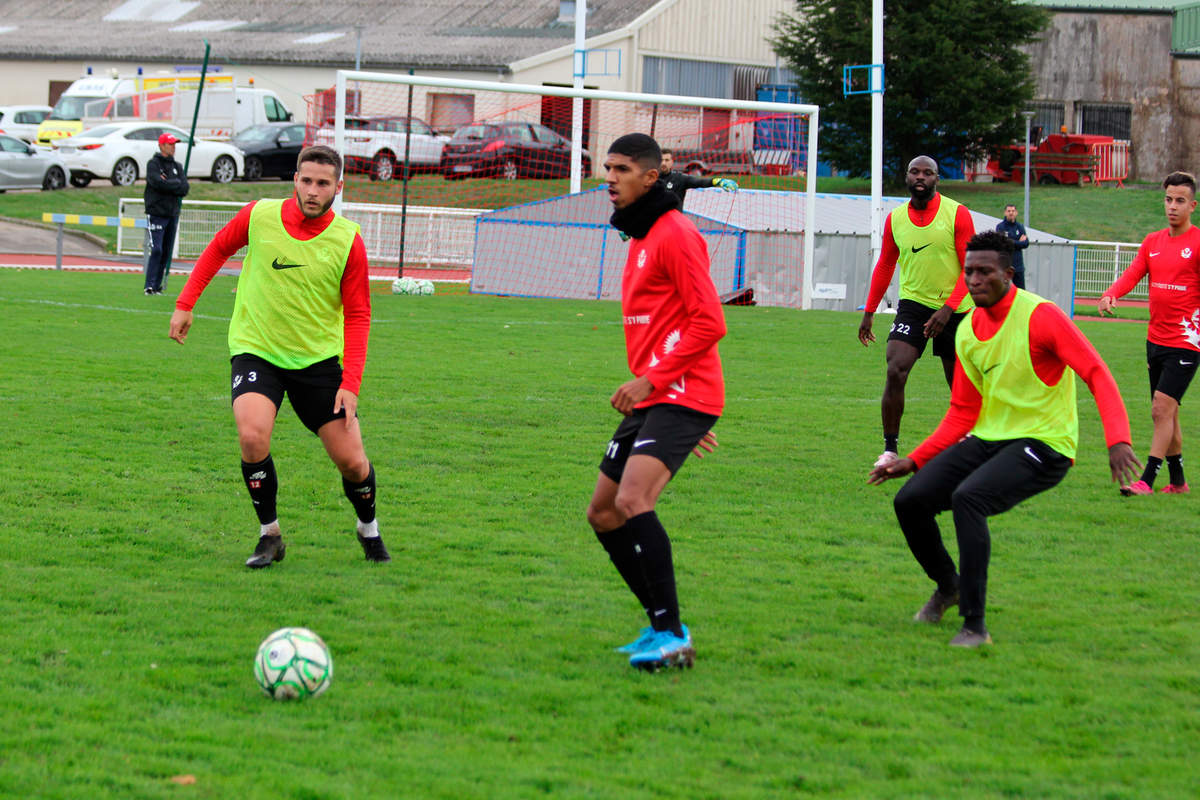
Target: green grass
(478,663)
(1103,214)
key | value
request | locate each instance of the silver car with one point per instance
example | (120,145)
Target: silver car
(23,166)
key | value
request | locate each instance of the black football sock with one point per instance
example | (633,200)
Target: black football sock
(975,624)
(618,543)
(263,486)
(653,549)
(362,495)
(1175,468)
(1153,465)
(891,441)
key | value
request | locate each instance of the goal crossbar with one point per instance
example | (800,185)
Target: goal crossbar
(812,112)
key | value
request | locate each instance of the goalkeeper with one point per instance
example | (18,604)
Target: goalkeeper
(679,182)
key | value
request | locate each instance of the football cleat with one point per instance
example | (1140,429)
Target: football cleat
(664,649)
(969,638)
(643,640)
(1138,487)
(1172,488)
(936,607)
(885,458)
(373,548)
(268,550)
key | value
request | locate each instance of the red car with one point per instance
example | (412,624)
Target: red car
(509,150)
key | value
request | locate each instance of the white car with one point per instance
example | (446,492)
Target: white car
(376,145)
(121,151)
(23,166)
(22,121)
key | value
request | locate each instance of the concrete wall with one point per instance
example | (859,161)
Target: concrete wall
(1124,58)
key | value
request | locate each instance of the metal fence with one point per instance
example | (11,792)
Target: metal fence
(434,236)
(445,237)
(1098,264)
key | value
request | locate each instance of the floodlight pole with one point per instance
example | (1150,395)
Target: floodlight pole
(580,64)
(876,80)
(1028,115)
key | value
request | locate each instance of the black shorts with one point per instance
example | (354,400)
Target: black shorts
(909,327)
(667,432)
(311,390)
(1171,369)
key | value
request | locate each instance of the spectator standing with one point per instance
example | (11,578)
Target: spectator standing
(166,186)
(1015,231)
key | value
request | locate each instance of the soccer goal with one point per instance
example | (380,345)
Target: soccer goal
(504,154)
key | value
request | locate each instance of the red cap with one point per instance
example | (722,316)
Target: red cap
(167,138)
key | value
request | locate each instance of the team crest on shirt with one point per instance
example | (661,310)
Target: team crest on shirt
(1191,328)
(670,344)
(641,259)
(1185,252)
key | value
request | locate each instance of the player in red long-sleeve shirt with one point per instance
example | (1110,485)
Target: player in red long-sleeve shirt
(673,321)
(1172,259)
(303,301)
(1010,432)
(927,237)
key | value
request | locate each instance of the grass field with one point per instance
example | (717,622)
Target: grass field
(478,664)
(1088,213)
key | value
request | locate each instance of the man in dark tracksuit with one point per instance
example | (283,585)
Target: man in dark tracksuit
(166,186)
(679,182)
(1015,231)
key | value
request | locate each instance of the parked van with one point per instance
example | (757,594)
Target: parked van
(225,108)
(105,98)
(226,111)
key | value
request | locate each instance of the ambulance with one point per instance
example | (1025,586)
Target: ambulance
(225,108)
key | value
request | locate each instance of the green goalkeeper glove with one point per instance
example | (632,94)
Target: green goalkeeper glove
(726,184)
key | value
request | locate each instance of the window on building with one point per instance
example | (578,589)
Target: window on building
(1106,119)
(448,112)
(687,77)
(1048,117)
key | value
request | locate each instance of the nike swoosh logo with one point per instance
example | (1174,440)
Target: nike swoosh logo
(1029,452)
(989,369)
(922,247)
(1186,363)
(1152,255)
(641,442)
(276,265)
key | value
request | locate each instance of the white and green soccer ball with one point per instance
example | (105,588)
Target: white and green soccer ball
(292,664)
(412,286)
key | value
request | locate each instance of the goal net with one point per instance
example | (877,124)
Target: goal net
(473,180)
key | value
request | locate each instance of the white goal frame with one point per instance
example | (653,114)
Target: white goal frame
(812,112)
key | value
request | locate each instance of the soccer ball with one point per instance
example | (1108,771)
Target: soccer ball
(293,663)
(412,286)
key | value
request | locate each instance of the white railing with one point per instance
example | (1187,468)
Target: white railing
(1098,264)
(437,236)
(434,236)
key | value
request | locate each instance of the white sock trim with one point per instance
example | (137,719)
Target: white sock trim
(368,530)
(270,529)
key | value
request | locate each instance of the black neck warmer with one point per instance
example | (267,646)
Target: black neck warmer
(636,219)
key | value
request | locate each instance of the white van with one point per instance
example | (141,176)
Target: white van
(105,98)
(225,108)
(226,111)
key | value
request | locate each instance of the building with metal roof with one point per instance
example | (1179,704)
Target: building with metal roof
(709,48)
(1127,69)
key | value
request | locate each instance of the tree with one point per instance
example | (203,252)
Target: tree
(955,78)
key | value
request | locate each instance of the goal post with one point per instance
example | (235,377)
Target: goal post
(449,138)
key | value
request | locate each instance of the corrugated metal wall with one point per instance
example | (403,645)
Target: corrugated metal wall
(717,30)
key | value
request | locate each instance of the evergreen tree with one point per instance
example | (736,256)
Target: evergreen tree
(955,78)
